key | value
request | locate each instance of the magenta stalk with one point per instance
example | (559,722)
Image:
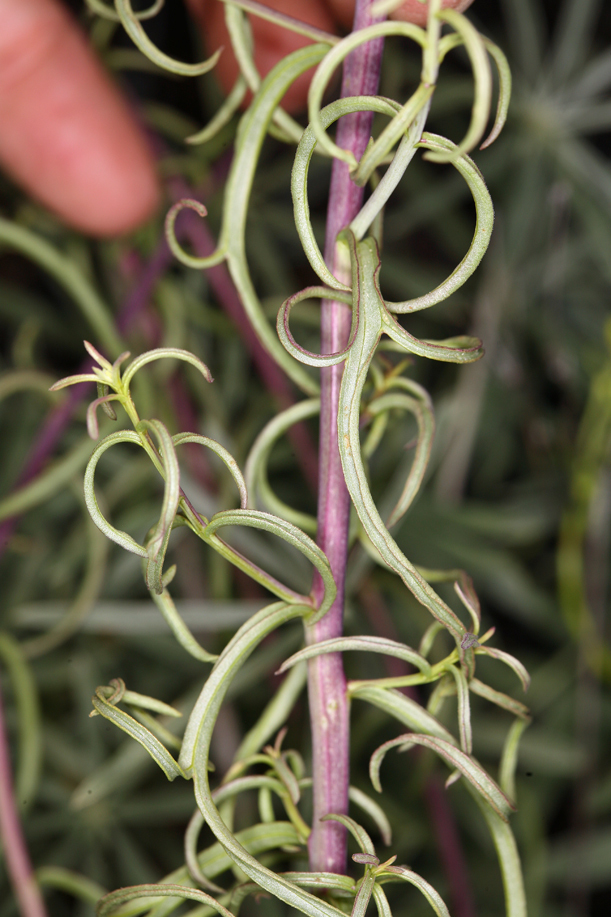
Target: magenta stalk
(329,708)
(16,855)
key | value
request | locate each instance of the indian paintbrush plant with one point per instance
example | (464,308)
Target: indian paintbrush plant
(364,386)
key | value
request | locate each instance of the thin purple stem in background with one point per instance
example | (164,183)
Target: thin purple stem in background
(16,855)
(329,713)
(59,417)
(450,847)
(134,306)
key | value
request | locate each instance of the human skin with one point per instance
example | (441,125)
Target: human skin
(69,137)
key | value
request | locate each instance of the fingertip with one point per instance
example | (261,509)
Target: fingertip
(415,12)
(69,137)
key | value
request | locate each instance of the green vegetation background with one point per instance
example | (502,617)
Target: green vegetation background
(519,486)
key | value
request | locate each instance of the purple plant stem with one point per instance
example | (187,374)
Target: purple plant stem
(450,847)
(329,713)
(18,865)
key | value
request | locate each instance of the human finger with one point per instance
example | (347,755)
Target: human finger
(409,11)
(68,136)
(271,42)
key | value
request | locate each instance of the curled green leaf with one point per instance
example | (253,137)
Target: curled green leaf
(480,64)
(256,464)
(488,790)
(374,205)
(332,61)
(195,752)
(134,29)
(176,248)
(408,875)
(402,708)
(356,830)
(157,542)
(166,606)
(299,177)
(484,224)
(502,66)
(251,134)
(509,660)
(111,903)
(422,410)
(92,418)
(106,12)
(119,537)
(292,535)
(225,456)
(165,353)
(104,701)
(149,703)
(223,116)
(194,827)
(373,319)
(290,344)
(366,644)
(282,125)
(411,118)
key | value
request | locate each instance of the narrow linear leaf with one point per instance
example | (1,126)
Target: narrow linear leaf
(363,895)
(366,644)
(509,660)
(508,856)
(374,810)
(402,708)
(455,758)
(165,353)
(464,708)
(357,832)
(289,533)
(195,754)
(109,904)
(509,758)
(382,903)
(128,724)
(501,700)
(332,61)
(225,456)
(119,537)
(134,29)
(432,896)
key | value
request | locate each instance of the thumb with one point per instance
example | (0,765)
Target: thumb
(271,42)
(68,136)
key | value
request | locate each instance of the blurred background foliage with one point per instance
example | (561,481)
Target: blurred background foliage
(518,492)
